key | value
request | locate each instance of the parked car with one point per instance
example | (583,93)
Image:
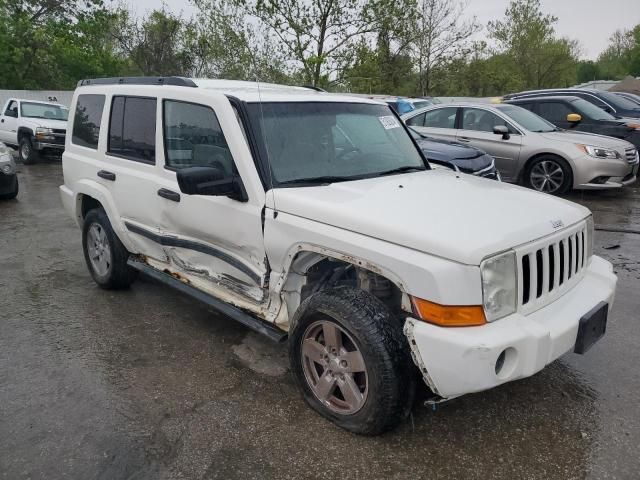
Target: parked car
(8,177)
(364,257)
(629,96)
(609,102)
(404,105)
(576,114)
(33,127)
(530,150)
(458,156)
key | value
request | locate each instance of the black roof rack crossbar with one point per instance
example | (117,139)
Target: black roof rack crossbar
(311,87)
(179,81)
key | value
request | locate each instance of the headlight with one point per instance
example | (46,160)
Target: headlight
(599,152)
(6,169)
(589,234)
(44,133)
(6,163)
(499,285)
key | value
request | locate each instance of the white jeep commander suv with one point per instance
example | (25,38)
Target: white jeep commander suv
(315,217)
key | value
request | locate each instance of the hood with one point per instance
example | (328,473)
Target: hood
(586,138)
(45,123)
(438,212)
(445,150)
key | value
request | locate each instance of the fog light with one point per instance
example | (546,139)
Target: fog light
(506,363)
(600,180)
(6,169)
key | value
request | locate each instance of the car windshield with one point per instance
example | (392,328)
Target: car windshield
(591,110)
(528,120)
(617,101)
(44,110)
(326,142)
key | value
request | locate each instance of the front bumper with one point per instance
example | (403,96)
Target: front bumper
(618,173)
(8,183)
(456,361)
(53,146)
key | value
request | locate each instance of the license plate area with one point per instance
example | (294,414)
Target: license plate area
(592,327)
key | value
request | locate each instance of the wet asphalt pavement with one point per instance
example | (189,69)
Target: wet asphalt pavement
(147,384)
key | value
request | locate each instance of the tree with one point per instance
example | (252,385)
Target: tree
(622,56)
(155,44)
(315,34)
(587,71)
(527,36)
(226,44)
(52,44)
(440,36)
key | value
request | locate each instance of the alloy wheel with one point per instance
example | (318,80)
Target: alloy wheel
(334,367)
(547,176)
(99,249)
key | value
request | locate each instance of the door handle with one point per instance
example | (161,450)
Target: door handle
(464,139)
(2,121)
(169,194)
(107,175)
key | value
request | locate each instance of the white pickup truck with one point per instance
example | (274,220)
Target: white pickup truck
(315,218)
(33,127)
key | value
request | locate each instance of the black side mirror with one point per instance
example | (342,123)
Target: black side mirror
(211,181)
(502,130)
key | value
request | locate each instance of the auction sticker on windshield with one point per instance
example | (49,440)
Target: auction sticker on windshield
(389,122)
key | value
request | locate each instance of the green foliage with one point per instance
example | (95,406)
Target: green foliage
(527,36)
(622,56)
(51,45)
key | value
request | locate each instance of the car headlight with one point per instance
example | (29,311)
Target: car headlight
(499,285)
(599,152)
(44,133)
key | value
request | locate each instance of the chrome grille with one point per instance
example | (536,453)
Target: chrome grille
(631,154)
(550,266)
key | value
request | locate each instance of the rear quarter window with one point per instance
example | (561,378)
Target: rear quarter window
(87,119)
(132,128)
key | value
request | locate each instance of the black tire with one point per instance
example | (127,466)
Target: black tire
(28,155)
(384,348)
(563,181)
(12,194)
(118,274)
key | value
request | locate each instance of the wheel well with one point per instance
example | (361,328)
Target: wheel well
(87,204)
(311,272)
(24,132)
(539,155)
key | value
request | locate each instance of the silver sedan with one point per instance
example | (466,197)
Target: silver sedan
(530,150)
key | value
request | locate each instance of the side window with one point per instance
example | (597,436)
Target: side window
(441,118)
(554,111)
(193,138)
(528,106)
(87,119)
(592,99)
(12,109)
(481,120)
(132,128)
(417,121)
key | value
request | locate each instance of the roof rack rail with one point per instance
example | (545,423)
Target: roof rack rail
(311,87)
(178,81)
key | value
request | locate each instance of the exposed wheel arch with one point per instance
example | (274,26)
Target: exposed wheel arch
(88,203)
(318,269)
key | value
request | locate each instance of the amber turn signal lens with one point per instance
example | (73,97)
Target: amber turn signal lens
(448,315)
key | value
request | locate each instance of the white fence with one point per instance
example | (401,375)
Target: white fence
(59,96)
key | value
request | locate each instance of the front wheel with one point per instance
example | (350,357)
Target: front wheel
(352,361)
(105,255)
(27,153)
(549,174)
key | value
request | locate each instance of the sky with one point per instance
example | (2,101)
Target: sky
(591,22)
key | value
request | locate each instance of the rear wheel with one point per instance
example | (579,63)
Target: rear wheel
(549,174)
(352,361)
(27,153)
(105,255)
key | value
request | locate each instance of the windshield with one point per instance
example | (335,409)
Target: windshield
(528,120)
(43,110)
(591,110)
(331,142)
(617,101)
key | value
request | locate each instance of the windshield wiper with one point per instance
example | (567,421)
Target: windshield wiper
(404,169)
(322,180)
